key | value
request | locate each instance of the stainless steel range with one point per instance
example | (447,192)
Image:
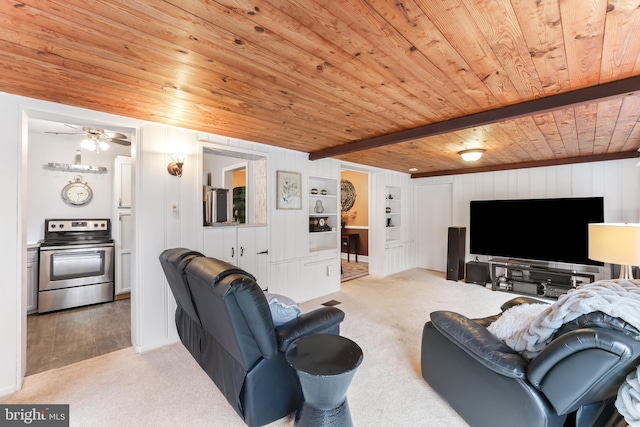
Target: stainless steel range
(76,264)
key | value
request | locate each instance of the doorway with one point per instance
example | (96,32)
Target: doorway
(354,224)
(235,180)
(63,337)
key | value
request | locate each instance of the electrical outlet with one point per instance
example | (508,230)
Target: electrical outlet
(329,270)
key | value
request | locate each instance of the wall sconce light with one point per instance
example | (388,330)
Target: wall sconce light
(471,155)
(175,167)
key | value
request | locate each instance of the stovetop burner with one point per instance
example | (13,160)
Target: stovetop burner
(76,231)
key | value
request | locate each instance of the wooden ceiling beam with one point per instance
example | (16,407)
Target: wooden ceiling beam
(536,164)
(573,98)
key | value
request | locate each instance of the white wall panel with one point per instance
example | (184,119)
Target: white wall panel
(12,254)
(617,181)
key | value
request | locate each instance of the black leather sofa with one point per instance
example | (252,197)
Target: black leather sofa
(572,382)
(223,319)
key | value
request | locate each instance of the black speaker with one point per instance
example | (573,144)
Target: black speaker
(478,272)
(456,253)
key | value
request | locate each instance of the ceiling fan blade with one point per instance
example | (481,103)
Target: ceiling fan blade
(116,135)
(66,133)
(119,141)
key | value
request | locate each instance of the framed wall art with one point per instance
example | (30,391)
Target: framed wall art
(288,190)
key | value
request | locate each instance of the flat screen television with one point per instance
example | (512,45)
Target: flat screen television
(535,229)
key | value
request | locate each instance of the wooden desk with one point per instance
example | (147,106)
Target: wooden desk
(350,241)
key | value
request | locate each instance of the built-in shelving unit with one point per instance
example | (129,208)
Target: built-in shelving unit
(393,214)
(323,214)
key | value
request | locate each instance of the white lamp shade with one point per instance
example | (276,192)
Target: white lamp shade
(615,243)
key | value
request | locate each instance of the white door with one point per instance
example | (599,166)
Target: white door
(434,204)
(122,223)
(123,251)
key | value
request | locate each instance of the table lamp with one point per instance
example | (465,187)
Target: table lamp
(616,244)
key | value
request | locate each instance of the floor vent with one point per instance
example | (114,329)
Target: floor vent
(331,303)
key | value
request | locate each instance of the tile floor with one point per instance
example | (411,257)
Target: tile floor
(68,336)
(352,270)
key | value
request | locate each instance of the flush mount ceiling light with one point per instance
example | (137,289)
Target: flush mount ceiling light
(413,169)
(471,155)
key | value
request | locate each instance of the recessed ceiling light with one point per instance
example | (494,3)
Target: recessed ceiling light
(413,169)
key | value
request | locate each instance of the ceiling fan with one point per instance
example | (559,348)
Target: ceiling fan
(96,139)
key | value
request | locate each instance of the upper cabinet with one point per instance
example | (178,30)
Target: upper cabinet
(323,214)
(234,186)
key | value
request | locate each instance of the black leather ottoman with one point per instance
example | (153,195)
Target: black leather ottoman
(325,365)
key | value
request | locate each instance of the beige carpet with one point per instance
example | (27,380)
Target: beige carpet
(165,387)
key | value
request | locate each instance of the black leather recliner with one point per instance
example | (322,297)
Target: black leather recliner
(223,319)
(572,382)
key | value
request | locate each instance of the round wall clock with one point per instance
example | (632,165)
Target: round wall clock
(76,192)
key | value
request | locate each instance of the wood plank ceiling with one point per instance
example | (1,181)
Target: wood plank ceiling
(317,76)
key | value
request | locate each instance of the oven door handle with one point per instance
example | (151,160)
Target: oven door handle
(78,247)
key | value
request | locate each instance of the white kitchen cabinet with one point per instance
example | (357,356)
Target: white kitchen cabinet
(122,181)
(246,247)
(32,280)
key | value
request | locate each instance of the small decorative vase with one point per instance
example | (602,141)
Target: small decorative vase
(323,192)
(318,208)
(389,222)
(314,191)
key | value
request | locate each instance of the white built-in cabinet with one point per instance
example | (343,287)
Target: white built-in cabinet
(122,224)
(323,214)
(32,280)
(245,246)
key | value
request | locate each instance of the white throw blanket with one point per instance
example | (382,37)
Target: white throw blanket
(617,298)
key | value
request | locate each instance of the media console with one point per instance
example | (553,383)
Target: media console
(534,279)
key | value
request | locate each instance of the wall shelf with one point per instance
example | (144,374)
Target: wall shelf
(76,167)
(393,214)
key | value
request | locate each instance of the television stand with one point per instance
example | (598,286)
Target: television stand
(534,278)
